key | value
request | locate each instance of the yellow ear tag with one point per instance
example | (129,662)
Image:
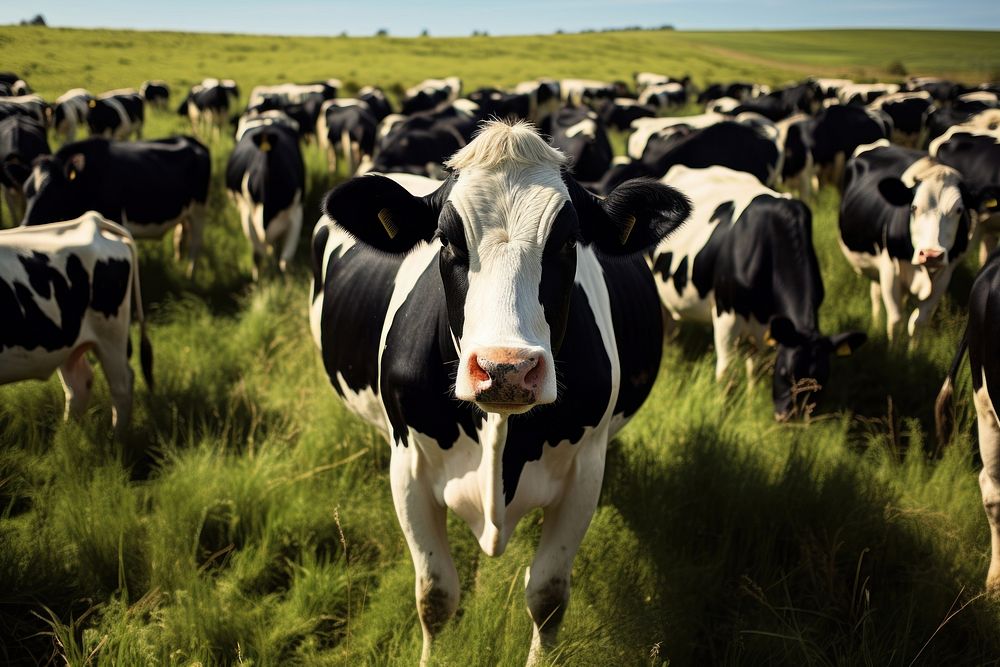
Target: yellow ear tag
(264,146)
(627,229)
(770,340)
(92,103)
(72,175)
(990,203)
(385,217)
(844,350)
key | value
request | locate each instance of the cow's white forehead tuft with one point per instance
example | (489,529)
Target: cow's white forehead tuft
(499,143)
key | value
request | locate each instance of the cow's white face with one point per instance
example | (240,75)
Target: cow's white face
(505,342)
(935,217)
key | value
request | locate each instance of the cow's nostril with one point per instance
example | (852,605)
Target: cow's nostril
(534,376)
(477,372)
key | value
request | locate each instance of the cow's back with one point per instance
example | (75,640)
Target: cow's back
(868,223)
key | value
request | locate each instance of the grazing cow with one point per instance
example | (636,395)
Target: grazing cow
(494,103)
(581,136)
(908,112)
(70,113)
(743,147)
(977,101)
(117,114)
(498,330)
(146,186)
(941,90)
(772,107)
(802,97)
(14,85)
(21,141)
(865,93)
(421,143)
(838,131)
(621,112)
(575,92)
(156,93)
(797,171)
(828,88)
(975,153)
(266,179)
(431,93)
(904,223)
(207,105)
(377,102)
(32,106)
(646,128)
(66,289)
(346,126)
(294,93)
(984,363)
(744,263)
(544,97)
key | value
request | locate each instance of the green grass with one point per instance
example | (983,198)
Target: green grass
(247,518)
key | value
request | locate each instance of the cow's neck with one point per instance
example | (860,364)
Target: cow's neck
(489,476)
(796,283)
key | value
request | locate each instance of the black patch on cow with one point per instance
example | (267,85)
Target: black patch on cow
(662,264)
(111,281)
(984,321)
(24,323)
(558,270)
(453,261)
(680,276)
(703,267)
(318,251)
(419,364)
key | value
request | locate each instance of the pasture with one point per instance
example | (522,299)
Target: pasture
(247,516)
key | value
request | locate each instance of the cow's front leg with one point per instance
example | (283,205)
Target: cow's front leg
(725,332)
(423,521)
(925,309)
(121,380)
(989,479)
(564,525)
(77,379)
(892,296)
(291,241)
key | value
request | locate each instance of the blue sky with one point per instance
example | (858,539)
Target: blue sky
(500,17)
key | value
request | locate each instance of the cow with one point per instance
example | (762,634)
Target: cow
(148,187)
(498,330)
(495,103)
(580,135)
(67,289)
(904,224)
(347,126)
(940,90)
(828,88)
(156,93)
(117,114)
(838,131)
(621,112)
(739,146)
(376,100)
(801,97)
(70,113)
(544,97)
(294,93)
(665,95)
(21,141)
(797,168)
(772,107)
(430,93)
(576,92)
(908,112)
(975,153)
(14,85)
(207,105)
(265,178)
(32,106)
(421,143)
(979,340)
(865,93)
(646,128)
(744,263)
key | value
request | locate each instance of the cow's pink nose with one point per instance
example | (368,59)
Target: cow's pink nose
(929,256)
(506,376)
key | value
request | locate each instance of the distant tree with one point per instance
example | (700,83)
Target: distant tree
(382,32)
(425,33)
(897,68)
(38,20)
(343,33)
(666,26)
(559,31)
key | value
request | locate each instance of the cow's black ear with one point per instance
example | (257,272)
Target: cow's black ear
(783,332)
(845,344)
(380,212)
(74,165)
(895,191)
(634,217)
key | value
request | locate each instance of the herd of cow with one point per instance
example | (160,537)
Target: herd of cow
(491,288)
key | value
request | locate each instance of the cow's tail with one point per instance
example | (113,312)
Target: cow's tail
(943,412)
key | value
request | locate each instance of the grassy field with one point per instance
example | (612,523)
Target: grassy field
(247,518)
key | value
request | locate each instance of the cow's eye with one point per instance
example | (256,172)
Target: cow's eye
(444,240)
(569,245)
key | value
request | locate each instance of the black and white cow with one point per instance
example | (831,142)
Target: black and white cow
(574,92)
(665,95)
(621,112)
(147,186)
(797,170)
(294,93)
(430,93)
(346,126)
(21,141)
(838,131)
(908,112)
(156,93)
(376,100)
(265,178)
(646,128)
(32,106)
(904,223)
(14,84)
(495,103)
(420,144)
(975,153)
(801,97)
(772,107)
(543,97)
(865,93)
(984,362)
(207,105)
(498,329)
(67,289)
(117,114)
(579,133)
(744,263)
(941,90)
(70,113)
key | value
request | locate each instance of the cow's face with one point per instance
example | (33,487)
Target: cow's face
(55,189)
(508,221)
(802,365)
(938,217)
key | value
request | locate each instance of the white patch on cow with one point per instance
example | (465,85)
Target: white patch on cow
(663,89)
(864,148)
(937,206)
(849,91)
(722,105)
(587,127)
(645,128)
(263,119)
(984,124)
